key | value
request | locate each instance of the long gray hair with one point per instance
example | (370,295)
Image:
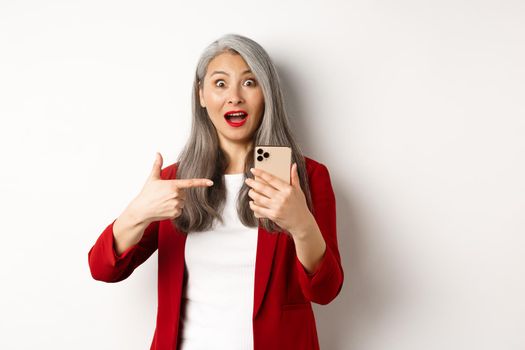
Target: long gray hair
(203,158)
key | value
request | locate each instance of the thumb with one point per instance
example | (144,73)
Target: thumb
(295,176)
(157,166)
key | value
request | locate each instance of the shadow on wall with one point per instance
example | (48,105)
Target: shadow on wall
(292,102)
(340,323)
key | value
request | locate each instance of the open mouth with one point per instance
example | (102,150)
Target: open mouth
(236,116)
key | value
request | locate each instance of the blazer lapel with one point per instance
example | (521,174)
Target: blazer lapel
(266,243)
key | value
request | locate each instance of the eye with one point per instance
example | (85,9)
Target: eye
(250,82)
(219,83)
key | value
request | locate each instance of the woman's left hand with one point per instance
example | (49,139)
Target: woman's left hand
(278,201)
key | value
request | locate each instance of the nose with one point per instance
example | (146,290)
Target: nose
(235,96)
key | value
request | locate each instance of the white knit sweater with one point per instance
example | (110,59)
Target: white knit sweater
(218,307)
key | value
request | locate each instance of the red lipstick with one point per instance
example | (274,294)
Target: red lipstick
(238,119)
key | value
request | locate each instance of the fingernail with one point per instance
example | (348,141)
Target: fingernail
(209,183)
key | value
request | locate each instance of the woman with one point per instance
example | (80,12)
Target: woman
(239,260)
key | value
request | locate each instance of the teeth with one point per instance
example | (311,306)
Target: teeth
(235,114)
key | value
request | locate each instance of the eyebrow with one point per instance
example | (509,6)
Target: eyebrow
(222,72)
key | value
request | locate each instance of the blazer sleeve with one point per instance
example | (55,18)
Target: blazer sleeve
(104,262)
(325,283)
(107,266)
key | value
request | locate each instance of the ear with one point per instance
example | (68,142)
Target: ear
(201,99)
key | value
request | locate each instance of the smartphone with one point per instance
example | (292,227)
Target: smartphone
(277,160)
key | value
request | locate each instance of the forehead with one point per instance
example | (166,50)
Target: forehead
(228,63)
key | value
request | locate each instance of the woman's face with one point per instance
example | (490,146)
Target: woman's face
(229,87)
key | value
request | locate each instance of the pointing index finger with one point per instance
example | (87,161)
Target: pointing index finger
(188,183)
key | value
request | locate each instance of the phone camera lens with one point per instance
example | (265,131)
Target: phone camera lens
(260,158)
(266,154)
(260,151)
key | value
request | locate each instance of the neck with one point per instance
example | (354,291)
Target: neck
(235,154)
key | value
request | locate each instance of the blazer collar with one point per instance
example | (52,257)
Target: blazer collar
(266,244)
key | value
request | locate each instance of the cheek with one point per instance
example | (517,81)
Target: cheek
(258,99)
(261,107)
(212,98)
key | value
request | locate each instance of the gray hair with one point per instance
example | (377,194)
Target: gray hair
(202,157)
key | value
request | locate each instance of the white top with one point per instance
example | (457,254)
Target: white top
(221,271)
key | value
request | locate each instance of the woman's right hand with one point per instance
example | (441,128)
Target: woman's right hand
(162,199)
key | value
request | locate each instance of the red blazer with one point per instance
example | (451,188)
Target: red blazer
(282,312)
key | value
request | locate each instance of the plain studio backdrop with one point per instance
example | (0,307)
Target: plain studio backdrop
(416,107)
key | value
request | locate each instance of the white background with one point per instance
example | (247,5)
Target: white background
(416,107)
